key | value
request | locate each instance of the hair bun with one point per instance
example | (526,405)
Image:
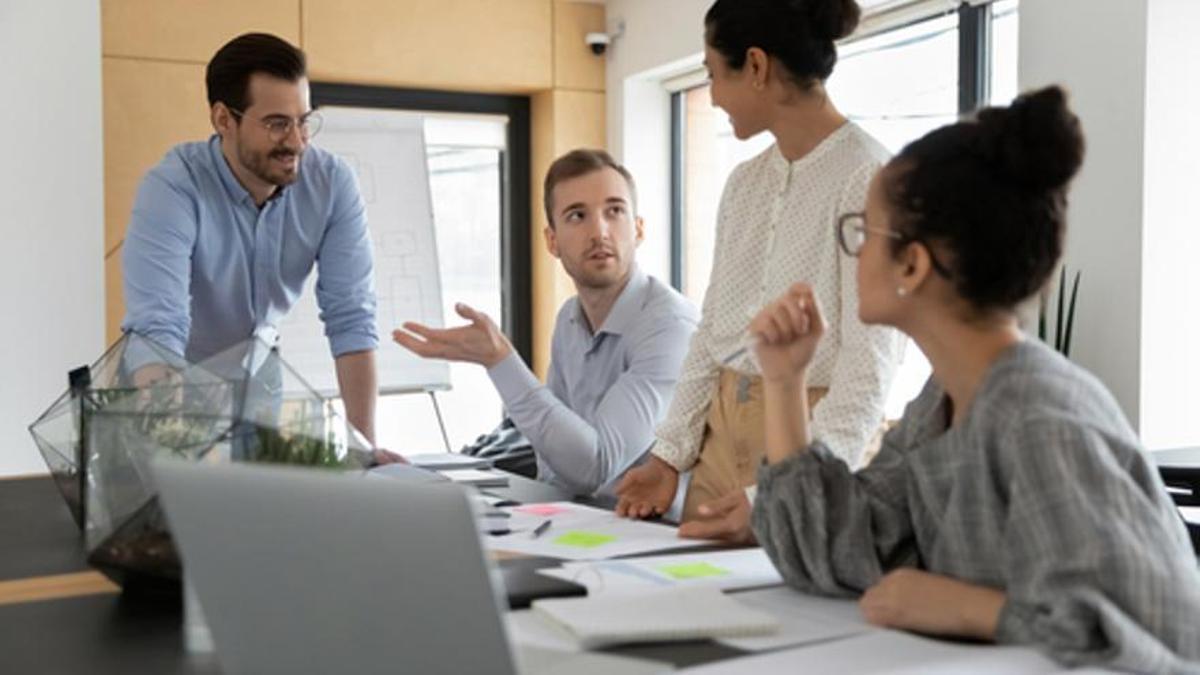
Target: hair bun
(831,19)
(1037,140)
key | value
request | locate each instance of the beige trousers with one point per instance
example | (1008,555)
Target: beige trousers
(734,440)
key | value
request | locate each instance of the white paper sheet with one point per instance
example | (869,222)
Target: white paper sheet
(579,532)
(727,570)
(803,619)
(674,614)
(891,652)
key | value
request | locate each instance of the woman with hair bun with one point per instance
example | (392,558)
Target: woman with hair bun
(768,61)
(1013,502)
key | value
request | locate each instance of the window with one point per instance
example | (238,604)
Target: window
(465,157)
(476,145)
(897,84)
(1004,52)
(901,84)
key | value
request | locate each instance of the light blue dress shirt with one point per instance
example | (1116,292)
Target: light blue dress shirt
(205,268)
(606,391)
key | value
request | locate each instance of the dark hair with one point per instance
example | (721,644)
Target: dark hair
(799,33)
(228,74)
(991,193)
(578,163)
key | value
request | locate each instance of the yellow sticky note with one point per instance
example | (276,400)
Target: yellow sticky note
(697,570)
(581,539)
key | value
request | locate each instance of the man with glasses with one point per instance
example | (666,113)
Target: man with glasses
(225,232)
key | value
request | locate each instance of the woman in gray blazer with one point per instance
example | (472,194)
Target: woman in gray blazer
(1013,502)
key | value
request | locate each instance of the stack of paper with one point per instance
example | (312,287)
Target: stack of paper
(674,614)
(891,652)
(476,477)
(579,532)
(728,570)
(440,461)
(803,619)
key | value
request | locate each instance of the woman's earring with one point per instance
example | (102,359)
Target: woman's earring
(758,85)
(901,291)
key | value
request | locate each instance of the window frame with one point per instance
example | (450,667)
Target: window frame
(516,284)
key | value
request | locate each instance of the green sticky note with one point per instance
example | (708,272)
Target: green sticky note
(697,570)
(581,539)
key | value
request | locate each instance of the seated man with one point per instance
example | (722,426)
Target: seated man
(617,346)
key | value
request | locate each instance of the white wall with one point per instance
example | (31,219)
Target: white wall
(1170,351)
(1104,68)
(51,221)
(662,38)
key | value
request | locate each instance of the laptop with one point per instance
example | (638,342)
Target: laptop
(301,571)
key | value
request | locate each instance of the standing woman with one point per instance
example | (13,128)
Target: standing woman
(768,61)
(1012,502)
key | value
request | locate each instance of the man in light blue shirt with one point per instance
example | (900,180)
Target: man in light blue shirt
(617,345)
(224,232)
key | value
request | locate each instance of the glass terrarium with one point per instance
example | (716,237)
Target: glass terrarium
(140,401)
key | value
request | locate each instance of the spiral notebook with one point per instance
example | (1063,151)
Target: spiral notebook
(669,615)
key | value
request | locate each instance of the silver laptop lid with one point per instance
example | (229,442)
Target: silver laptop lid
(301,571)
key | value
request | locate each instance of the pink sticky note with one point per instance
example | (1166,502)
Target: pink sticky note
(541,509)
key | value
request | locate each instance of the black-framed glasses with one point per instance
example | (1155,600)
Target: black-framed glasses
(280,127)
(852,232)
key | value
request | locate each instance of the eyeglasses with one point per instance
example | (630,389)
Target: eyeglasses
(852,232)
(280,127)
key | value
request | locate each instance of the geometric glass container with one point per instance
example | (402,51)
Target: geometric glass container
(140,401)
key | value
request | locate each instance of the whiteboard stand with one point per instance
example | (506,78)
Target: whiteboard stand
(441,422)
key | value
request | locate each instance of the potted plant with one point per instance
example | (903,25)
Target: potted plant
(1064,316)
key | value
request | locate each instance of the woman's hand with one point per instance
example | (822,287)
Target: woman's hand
(911,599)
(726,518)
(787,332)
(647,491)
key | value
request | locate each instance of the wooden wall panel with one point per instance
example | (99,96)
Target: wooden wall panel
(473,45)
(575,66)
(542,153)
(190,30)
(579,119)
(149,106)
(155,52)
(563,120)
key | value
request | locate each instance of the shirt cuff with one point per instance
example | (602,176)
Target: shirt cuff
(142,350)
(346,343)
(668,453)
(512,378)
(751,493)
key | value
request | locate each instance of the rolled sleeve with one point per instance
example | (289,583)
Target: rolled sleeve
(156,262)
(345,271)
(830,530)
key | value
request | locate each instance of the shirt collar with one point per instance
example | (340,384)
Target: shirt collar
(780,165)
(233,188)
(624,311)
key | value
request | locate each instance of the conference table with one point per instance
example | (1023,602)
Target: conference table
(59,616)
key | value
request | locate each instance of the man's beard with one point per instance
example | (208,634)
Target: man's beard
(259,164)
(597,279)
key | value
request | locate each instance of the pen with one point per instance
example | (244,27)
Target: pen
(734,356)
(540,529)
(751,343)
